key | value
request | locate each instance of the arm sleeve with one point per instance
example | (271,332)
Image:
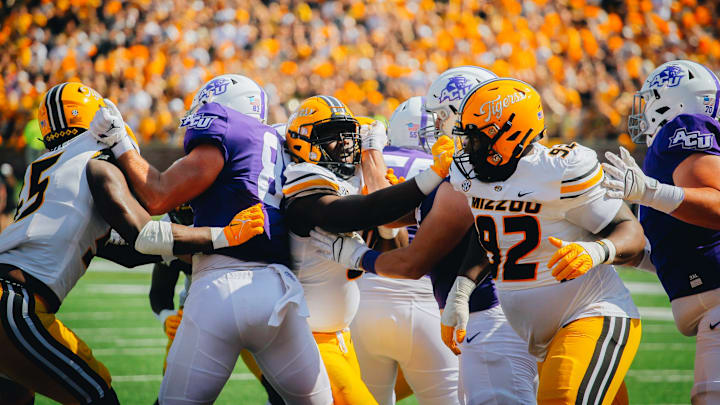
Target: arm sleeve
(206,126)
(162,287)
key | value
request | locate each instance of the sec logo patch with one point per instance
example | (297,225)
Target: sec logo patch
(466,186)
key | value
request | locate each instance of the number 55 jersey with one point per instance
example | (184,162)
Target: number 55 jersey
(553,192)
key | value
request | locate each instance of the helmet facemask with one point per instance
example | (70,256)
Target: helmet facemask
(338,142)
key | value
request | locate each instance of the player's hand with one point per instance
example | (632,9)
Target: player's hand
(392,178)
(442,150)
(245,225)
(345,249)
(626,180)
(172,323)
(573,259)
(454,319)
(373,136)
(107,126)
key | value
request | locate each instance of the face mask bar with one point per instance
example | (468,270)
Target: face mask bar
(637,123)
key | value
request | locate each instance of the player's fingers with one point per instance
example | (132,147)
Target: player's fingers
(615,194)
(401,179)
(563,271)
(447,338)
(615,160)
(627,157)
(320,235)
(558,243)
(460,334)
(614,184)
(612,171)
(564,261)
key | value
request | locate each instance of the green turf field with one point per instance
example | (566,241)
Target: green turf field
(110,310)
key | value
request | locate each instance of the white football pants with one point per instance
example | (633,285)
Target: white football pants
(399,325)
(699,314)
(262,310)
(495,366)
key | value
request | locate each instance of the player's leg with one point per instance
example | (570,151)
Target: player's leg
(286,354)
(206,346)
(706,389)
(44,356)
(12,393)
(429,366)
(587,360)
(375,334)
(274,397)
(495,366)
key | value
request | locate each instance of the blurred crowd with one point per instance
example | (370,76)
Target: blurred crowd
(585,57)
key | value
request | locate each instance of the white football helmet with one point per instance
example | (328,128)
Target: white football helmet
(234,91)
(406,122)
(674,88)
(446,93)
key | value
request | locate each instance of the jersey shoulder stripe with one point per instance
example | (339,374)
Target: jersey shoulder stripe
(304,179)
(582,172)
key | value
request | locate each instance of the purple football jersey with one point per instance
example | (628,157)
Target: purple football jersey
(252,174)
(444,273)
(687,257)
(406,163)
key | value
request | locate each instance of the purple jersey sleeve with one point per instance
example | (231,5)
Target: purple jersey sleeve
(406,162)
(686,256)
(208,125)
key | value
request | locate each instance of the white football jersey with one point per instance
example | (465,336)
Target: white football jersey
(56,228)
(331,292)
(554,192)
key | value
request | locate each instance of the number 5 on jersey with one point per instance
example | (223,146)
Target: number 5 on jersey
(37,186)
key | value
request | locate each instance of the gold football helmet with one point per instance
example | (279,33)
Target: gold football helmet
(66,111)
(325,132)
(498,119)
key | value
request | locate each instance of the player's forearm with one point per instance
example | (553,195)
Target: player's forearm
(373,170)
(356,212)
(149,185)
(188,240)
(628,238)
(403,263)
(701,207)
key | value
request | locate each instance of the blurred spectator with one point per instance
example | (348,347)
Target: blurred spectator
(34,146)
(8,203)
(586,57)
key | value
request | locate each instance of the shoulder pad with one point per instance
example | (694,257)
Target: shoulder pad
(692,132)
(581,170)
(304,179)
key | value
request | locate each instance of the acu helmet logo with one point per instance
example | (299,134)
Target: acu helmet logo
(214,88)
(668,77)
(455,89)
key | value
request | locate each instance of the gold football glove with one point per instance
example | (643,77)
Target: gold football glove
(573,259)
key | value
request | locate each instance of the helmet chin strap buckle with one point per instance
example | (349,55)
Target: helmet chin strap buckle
(496,157)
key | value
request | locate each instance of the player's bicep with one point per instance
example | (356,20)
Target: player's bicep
(698,170)
(445,225)
(191,175)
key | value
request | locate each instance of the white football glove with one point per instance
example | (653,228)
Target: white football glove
(108,127)
(346,249)
(455,316)
(373,136)
(626,180)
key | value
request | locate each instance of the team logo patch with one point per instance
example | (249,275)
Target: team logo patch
(668,77)
(455,89)
(197,121)
(498,188)
(691,140)
(465,186)
(74,113)
(214,88)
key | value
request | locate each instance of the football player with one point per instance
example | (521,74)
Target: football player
(322,189)
(233,159)
(676,115)
(549,235)
(71,198)
(495,365)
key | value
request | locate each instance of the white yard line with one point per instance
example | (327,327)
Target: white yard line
(647,288)
(157,377)
(655,313)
(661,376)
(117,331)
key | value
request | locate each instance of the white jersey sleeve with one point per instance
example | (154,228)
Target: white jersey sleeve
(304,179)
(582,192)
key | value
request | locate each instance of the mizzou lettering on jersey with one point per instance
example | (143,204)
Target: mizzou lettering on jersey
(528,207)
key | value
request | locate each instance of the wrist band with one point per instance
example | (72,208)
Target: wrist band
(123,145)
(667,198)
(155,238)
(609,250)
(427,181)
(368,260)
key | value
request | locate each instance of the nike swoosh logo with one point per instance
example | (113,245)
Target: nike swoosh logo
(713,325)
(469,339)
(524,194)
